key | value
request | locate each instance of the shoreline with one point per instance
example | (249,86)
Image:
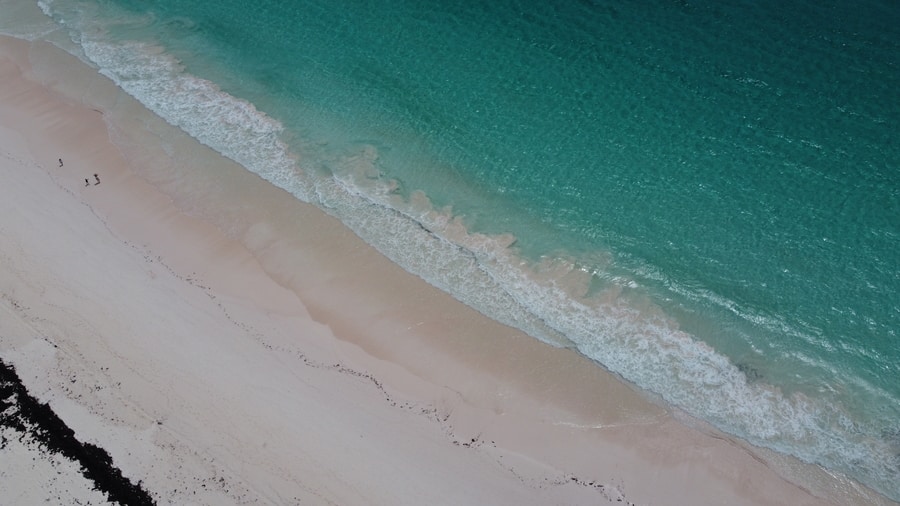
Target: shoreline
(296,323)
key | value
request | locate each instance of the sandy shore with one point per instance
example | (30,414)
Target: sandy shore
(223,354)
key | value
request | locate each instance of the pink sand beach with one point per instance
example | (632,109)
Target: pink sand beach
(224,354)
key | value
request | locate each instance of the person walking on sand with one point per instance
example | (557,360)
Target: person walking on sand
(60,162)
(86,182)
(97,178)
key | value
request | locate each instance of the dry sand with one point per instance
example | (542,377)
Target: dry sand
(223,354)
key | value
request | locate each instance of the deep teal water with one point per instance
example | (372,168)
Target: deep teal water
(706,195)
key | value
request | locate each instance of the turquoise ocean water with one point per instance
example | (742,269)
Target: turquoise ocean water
(703,197)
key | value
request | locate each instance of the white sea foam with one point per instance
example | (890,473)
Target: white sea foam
(639,343)
(231,126)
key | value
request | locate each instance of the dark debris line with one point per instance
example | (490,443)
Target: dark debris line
(30,416)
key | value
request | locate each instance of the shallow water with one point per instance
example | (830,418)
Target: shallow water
(703,198)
